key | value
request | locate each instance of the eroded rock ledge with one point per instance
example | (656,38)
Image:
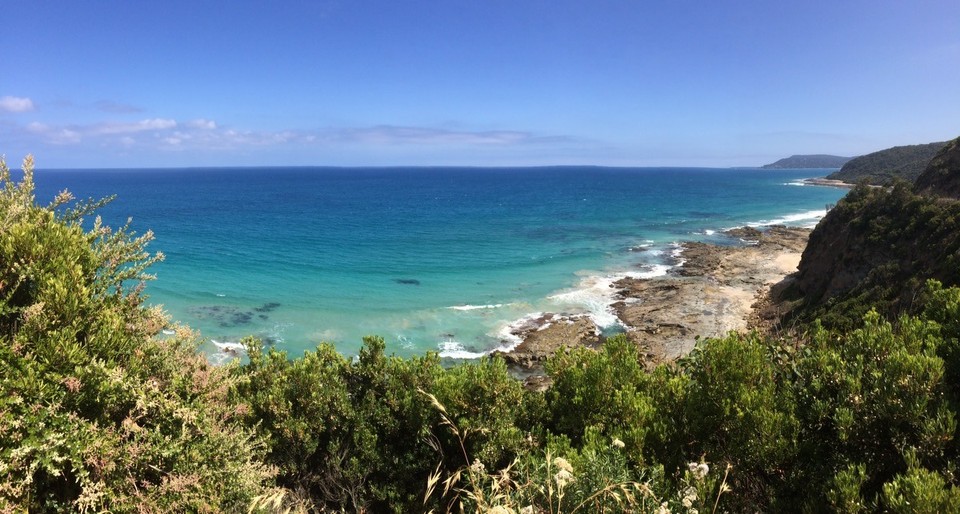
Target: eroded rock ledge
(713,292)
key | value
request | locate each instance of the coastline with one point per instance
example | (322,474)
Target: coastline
(715,289)
(828,182)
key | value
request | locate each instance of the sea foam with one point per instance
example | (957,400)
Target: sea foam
(596,294)
(791,219)
(456,350)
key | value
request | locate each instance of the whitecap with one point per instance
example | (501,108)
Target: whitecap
(596,294)
(507,333)
(226,351)
(468,307)
(405,342)
(791,219)
(455,350)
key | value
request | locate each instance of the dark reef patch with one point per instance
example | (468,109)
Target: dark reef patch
(407,281)
(267,307)
(228,316)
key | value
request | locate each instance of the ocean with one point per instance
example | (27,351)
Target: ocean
(431,259)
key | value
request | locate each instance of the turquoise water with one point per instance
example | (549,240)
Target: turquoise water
(443,259)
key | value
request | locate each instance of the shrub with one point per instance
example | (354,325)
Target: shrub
(96,413)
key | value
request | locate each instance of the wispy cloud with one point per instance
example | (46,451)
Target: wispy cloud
(15,104)
(154,124)
(55,135)
(201,123)
(204,133)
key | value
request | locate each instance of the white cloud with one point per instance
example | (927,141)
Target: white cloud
(132,128)
(201,123)
(15,104)
(206,137)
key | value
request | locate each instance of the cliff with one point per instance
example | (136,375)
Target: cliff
(878,247)
(880,168)
(807,161)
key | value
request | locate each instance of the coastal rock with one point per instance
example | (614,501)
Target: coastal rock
(543,336)
(712,293)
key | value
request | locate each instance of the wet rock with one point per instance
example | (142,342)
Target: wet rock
(543,336)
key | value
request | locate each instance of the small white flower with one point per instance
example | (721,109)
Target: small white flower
(664,508)
(563,477)
(704,469)
(477,466)
(563,464)
(618,443)
(699,469)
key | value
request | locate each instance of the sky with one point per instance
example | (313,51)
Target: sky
(117,84)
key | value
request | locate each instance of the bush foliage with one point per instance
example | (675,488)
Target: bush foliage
(101,412)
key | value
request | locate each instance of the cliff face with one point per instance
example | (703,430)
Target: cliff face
(878,246)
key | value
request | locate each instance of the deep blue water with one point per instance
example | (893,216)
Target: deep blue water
(428,258)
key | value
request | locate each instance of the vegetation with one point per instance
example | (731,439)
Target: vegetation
(99,413)
(875,250)
(96,413)
(881,168)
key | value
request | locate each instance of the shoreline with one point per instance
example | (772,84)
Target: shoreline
(823,181)
(715,289)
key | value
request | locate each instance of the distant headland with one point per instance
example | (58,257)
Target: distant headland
(808,161)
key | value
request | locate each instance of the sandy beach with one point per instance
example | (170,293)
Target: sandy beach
(714,291)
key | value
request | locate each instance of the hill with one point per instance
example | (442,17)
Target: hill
(807,161)
(878,246)
(879,168)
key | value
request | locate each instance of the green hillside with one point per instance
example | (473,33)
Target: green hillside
(880,168)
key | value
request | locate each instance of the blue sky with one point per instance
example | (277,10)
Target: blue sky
(482,82)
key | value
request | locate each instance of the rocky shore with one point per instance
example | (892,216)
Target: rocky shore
(714,291)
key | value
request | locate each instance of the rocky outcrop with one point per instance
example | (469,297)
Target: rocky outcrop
(543,336)
(712,293)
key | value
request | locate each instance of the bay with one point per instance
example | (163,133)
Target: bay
(431,259)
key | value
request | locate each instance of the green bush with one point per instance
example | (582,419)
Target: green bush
(95,412)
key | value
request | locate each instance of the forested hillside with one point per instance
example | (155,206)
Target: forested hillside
(881,168)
